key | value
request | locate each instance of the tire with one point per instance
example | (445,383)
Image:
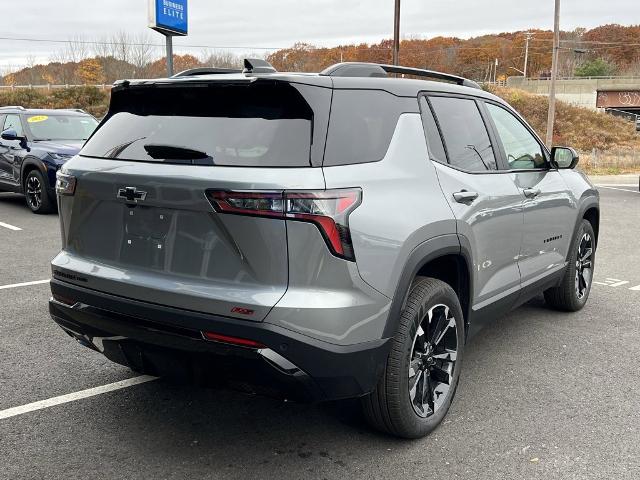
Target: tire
(573,291)
(36,194)
(391,407)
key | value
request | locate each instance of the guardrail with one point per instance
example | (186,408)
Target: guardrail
(529,79)
(50,87)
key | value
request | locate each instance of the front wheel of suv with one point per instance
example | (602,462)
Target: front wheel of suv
(35,191)
(573,291)
(422,370)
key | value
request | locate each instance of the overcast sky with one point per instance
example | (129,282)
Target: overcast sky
(260,23)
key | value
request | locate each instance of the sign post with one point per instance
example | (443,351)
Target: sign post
(170,18)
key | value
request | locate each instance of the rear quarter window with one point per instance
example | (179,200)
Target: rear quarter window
(361,125)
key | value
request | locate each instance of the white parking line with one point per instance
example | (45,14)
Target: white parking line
(72,397)
(25,284)
(620,189)
(10,227)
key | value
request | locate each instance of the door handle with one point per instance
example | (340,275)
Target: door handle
(463,196)
(531,192)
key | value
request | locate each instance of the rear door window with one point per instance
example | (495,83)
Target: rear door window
(207,124)
(465,134)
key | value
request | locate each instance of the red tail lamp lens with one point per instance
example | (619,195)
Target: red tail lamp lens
(265,204)
(328,209)
(242,342)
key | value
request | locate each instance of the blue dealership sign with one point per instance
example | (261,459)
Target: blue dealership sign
(169,16)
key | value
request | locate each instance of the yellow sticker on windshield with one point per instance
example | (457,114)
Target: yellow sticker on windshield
(37,118)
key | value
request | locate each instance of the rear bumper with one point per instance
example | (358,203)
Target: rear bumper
(165,341)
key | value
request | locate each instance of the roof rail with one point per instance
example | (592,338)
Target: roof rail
(13,107)
(364,69)
(257,65)
(79,110)
(205,71)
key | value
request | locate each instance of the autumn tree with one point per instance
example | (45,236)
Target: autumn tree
(90,72)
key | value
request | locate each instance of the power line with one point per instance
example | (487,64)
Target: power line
(132,44)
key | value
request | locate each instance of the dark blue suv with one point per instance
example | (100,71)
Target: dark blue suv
(34,145)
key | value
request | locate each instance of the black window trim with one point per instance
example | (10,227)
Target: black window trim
(481,110)
(435,121)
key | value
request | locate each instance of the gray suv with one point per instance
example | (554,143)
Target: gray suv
(319,236)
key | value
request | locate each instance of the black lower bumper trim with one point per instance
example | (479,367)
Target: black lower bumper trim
(165,341)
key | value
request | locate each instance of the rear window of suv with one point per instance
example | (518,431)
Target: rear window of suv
(207,124)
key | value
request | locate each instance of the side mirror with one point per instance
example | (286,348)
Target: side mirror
(564,157)
(10,134)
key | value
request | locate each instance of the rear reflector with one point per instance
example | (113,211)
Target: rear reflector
(328,209)
(242,342)
(63,300)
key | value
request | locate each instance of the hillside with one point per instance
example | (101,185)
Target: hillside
(605,50)
(578,127)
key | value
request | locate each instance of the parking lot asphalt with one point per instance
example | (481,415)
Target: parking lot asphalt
(543,394)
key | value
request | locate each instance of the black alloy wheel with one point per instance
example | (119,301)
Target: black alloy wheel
(572,292)
(584,265)
(35,191)
(433,360)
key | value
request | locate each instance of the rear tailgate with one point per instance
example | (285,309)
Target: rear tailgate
(140,225)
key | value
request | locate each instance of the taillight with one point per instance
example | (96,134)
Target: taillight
(65,184)
(328,209)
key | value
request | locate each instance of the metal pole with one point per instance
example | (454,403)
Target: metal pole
(554,73)
(169,55)
(396,34)
(526,55)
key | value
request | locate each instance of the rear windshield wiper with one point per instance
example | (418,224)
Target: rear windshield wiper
(173,154)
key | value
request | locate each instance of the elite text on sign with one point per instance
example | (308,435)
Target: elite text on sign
(169,16)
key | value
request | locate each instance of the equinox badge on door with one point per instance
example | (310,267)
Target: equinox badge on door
(131,194)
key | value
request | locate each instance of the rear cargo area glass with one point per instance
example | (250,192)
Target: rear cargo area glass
(261,125)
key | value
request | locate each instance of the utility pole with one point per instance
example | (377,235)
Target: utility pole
(554,73)
(396,34)
(526,53)
(169,55)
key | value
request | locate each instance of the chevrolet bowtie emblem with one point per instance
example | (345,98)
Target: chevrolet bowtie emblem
(131,194)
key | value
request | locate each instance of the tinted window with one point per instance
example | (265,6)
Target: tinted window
(61,127)
(465,134)
(13,121)
(361,125)
(436,149)
(209,124)
(522,149)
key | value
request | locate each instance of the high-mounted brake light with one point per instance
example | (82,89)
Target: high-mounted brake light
(328,209)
